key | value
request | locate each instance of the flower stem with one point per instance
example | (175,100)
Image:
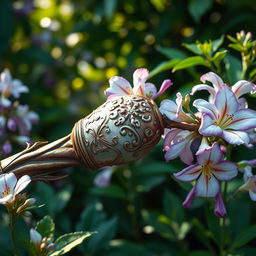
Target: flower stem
(223,224)
(13,232)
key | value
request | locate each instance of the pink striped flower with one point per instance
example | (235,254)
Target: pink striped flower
(225,118)
(207,173)
(119,86)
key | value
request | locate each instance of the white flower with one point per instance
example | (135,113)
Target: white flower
(10,186)
(9,86)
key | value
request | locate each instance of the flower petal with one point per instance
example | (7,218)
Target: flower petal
(243,119)
(165,85)
(178,144)
(140,76)
(207,186)
(9,181)
(21,184)
(189,174)
(150,90)
(170,136)
(213,78)
(206,108)
(6,199)
(169,109)
(224,170)
(226,102)
(190,197)
(211,154)
(201,87)
(182,116)
(35,236)
(242,87)
(220,209)
(186,155)
(235,137)
(252,195)
(208,127)
(118,86)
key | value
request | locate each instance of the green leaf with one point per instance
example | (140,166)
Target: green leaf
(218,57)
(173,207)
(111,191)
(172,53)
(217,43)
(193,48)
(163,67)
(245,236)
(46,227)
(68,241)
(197,8)
(190,62)
(105,232)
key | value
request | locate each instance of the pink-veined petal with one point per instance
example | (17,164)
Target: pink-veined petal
(207,186)
(224,170)
(150,90)
(118,86)
(243,119)
(242,87)
(178,145)
(236,137)
(140,76)
(190,197)
(7,181)
(6,199)
(206,108)
(165,85)
(22,183)
(220,209)
(170,135)
(213,78)
(211,154)
(169,109)
(189,174)
(226,102)
(201,87)
(208,127)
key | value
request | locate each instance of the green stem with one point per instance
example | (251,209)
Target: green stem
(13,232)
(223,223)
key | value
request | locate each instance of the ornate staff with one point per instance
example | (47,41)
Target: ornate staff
(122,130)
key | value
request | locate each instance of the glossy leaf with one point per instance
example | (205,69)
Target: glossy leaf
(190,62)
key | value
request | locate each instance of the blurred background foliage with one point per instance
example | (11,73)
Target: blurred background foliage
(65,52)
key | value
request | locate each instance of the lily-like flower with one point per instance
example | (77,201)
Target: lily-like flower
(119,86)
(177,142)
(250,182)
(207,172)
(239,88)
(9,86)
(224,117)
(10,186)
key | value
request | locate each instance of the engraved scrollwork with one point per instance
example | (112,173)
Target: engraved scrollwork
(120,131)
